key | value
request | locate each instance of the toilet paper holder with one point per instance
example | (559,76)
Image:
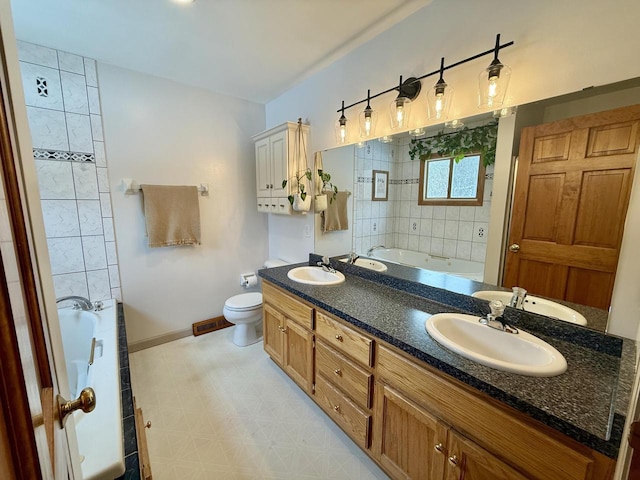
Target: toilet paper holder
(249,279)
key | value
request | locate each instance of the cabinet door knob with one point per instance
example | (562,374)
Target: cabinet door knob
(271,186)
(453,460)
(337,408)
(338,372)
(267,185)
(339,338)
(439,448)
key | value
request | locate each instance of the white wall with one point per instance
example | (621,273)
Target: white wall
(162,132)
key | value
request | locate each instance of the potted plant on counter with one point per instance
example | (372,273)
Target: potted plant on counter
(300,200)
(329,191)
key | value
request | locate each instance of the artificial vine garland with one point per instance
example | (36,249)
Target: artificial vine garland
(457,144)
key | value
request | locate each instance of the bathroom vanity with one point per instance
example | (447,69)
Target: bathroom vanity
(361,352)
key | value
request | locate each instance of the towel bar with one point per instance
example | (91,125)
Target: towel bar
(131,187)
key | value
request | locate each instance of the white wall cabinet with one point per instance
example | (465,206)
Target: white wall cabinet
(276,160)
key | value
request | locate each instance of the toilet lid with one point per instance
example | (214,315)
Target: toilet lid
(244,301)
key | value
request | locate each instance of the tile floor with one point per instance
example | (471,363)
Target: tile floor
(223,412)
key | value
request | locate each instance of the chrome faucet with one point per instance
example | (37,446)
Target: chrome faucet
(78,302)
(494,318)
(370,251)
(326,265)
(517,300)
(353,256)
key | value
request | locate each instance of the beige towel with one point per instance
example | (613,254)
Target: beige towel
(172,215)
(335,216)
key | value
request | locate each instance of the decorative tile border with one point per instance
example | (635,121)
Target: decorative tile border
(407,181)
(64,156)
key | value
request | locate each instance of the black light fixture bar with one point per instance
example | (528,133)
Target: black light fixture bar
(494,51)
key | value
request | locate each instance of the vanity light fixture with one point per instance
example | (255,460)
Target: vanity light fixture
(440,97)
(368,119)
(505,111)
(417,132)
(341,127)
(400,108)
(454,124)
(493,81)
(386,139)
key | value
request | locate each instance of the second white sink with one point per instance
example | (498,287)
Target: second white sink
(368,263)
(315,276)
(520,353)
(538,305)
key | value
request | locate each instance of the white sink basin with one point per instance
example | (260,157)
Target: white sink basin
(368,263)
(538,305)
(315,276)
(520,353)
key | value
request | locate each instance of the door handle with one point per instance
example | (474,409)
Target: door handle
(85,402)
(514,247)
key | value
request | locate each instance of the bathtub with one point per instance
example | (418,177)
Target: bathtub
(452,266)
(99,433)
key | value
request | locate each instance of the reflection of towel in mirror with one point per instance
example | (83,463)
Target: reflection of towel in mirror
(335,216)
(172,215)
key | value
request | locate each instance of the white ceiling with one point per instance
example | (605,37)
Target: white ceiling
(251,49)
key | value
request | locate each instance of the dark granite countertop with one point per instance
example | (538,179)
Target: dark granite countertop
(395,310)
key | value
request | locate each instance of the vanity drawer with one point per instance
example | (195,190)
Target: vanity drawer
(345,374)
(345,339)
(351,418)
(292,308)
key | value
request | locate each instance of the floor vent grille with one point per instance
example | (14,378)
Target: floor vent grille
(210,325)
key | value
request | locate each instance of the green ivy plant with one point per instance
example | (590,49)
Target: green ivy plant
(327,186)
(458,144)
(300,186)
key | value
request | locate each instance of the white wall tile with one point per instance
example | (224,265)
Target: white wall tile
(449,248)
(28,52)
(90,72)
(103,179)
(483,213)
(403,225)
(55,180)
(403,240)
(439,212)
(405,208)
(425,227)
(99,287)
(105,205)
(413,243)
(95,256)
(94,100)
(436,246)
(467,214)
(48,129)
(415,208)
(90,215)
(117,294)
(74,92)
(112,257)
(41,86)
(71,284)
(107,225)
(60,218)
(424,245)
(85,181)
(452,213)
(96,127)
(426,211)
(465,231)
(65,255)
(437,228)
(464,250)
(71,63)
(101,159)
(79,129)
(478,252)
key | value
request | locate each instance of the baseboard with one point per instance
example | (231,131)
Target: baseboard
(159,340)
(210,325)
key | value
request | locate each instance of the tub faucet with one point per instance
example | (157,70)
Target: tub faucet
(370,251)
(78,302)
(517,300)
(353,256)
(494,318)
(326,265)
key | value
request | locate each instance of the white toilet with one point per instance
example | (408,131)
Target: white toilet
(245,311)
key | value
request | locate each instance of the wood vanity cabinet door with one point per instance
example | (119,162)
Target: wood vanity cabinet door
(466,460)
(298,355)
(409,442)
(273,324)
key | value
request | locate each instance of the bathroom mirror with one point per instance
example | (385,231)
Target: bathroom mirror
(444,233)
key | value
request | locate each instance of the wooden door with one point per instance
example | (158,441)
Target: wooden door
(468,461)
(298,355)
(571,196)
(408,441)
(279,168)
(273,333)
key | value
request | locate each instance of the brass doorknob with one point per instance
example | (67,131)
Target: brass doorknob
(85,402)
(514,247)
(148,424)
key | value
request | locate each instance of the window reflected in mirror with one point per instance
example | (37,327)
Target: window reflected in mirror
(447,181)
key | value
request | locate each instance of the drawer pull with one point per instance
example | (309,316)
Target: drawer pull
(453,460)
(339,338)
(439,448)
(338,372)
(337,408)
(282,329)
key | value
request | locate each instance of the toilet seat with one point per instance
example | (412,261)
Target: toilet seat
(244,302)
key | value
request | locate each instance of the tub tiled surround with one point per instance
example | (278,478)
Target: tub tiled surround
(458,232)
(63,106)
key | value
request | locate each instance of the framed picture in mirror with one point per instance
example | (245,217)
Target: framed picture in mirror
(380,186)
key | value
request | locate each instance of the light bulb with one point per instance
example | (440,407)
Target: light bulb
(343,133)
(439,105)
(493,90)
(400,115)
(367,125)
